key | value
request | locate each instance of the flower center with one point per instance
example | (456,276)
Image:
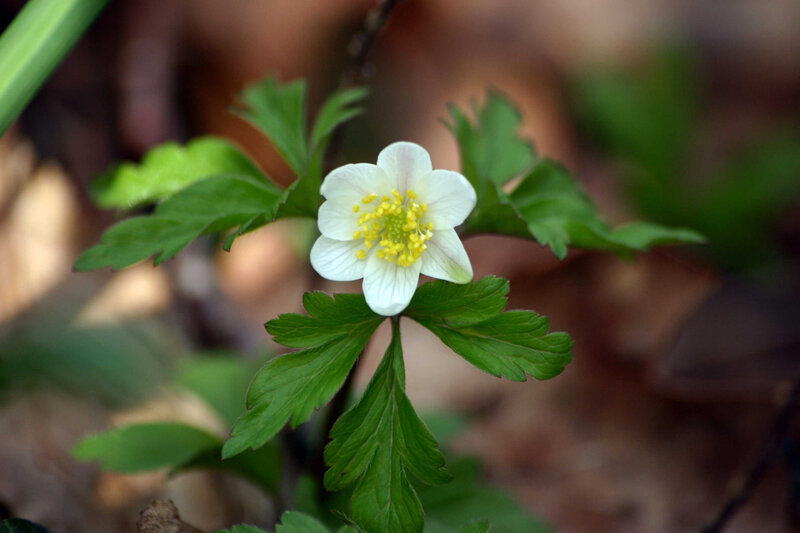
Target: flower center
(396,225)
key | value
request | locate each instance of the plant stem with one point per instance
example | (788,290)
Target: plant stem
(33,46)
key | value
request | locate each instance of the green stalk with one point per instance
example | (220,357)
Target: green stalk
(33,46)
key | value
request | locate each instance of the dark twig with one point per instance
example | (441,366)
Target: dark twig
(744,486)
(361,43)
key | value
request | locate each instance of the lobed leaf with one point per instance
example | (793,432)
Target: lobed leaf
(376,444)
(209,206)
(511,344)
(548,204)
(209,186)
(170,167)
(290,387)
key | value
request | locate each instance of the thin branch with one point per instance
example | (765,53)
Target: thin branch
(361,43)
(744,486)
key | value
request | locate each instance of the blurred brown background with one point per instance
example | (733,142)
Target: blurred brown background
(682,355)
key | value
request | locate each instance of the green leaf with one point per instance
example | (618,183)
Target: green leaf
(141,447)
(376,444)
(302,198)
(290,387)
(509,344)
(279,110)
(469,497)
(19,525)
(548,204)
(208,206)
(170,167)
(221,381)
(558,215)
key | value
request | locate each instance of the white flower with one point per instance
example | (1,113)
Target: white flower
(390,222)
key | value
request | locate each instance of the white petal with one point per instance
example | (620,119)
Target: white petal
(388,287)
(404,161)
(336,260)
(353,182)
(450,198)
(336,220)
(445,258)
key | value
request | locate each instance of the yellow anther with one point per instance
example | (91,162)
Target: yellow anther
(361,254)
(411,194)
(356,235)
(368,198)
(385,199)
(356,208)
(424,207)
(430,226)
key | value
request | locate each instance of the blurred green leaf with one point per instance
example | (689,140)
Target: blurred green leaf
(740,209)
(141,447)
(221,381)
(261,466)
(376,444)
(509,344)
(117,364)
(648,114)
(208,206)
(290,387)
(468,497)
(481,526)
(19,525)
(170,167)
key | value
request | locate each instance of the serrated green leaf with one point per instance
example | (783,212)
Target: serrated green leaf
(336,110)
(221,381)
(302,198)
(141,447)
(376,444)
(547,205)
(290,387)
(279,110)
(509,344)
(19,525)
(208,206)
(469,497)
(558,214)
(170,167)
